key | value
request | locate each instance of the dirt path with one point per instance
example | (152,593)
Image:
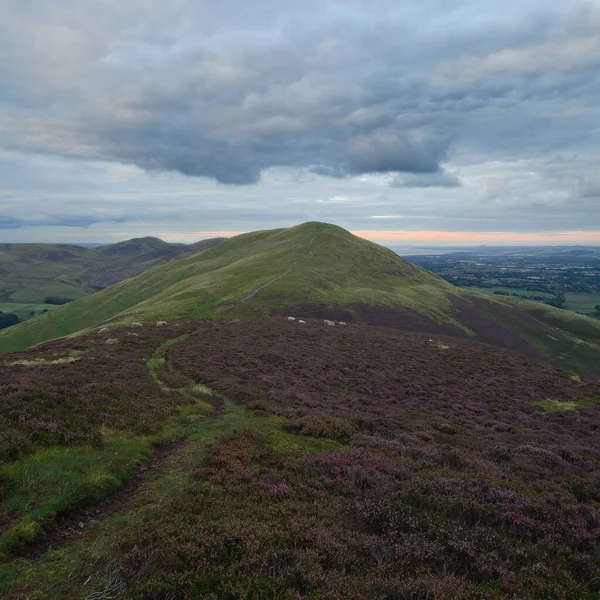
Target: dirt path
(75,525)
(262,287)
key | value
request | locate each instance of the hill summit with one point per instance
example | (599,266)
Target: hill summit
(315,270)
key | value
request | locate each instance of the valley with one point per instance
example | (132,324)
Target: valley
(566,277)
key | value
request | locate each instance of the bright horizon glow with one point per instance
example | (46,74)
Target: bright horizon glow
(402,237)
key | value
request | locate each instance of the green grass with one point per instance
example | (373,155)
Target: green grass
(250,274)
(55,480)
(549,405)
(575,301)
(576,342)
(272,431)
(60,573)
(24,309)
(263,272)
(510,290)
(583,303)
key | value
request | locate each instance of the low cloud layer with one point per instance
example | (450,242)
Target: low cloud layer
(238,116)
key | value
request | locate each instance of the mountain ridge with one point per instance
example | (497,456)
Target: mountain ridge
(30,272)
(313,269)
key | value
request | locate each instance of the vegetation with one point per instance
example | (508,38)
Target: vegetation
(313,269)
(8,320)
(59,273)
(562,277)
(339,462)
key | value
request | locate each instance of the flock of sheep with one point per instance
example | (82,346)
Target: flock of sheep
(326,321)
(136,325)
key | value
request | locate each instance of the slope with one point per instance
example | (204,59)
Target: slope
(31,272)
(313,269)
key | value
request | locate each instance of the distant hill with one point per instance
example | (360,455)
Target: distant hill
(31,272)
(314,270)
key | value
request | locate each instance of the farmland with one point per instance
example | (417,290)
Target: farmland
(566,277)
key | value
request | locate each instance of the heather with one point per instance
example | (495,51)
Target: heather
(68,391)
(352,462)
(454,475)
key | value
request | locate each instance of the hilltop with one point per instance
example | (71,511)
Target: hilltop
(317,270)
(31,272)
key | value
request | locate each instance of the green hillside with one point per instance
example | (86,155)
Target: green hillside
(31,272)
(305,270)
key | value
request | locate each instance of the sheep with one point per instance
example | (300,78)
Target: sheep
(328,322)
(136,325)
(104,330)
(301,321)
(342,323)
(291,318)
(161,323)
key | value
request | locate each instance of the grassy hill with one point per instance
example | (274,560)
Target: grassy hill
(317,270)
(31,272)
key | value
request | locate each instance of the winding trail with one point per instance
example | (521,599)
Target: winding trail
(262,287)
(166,457)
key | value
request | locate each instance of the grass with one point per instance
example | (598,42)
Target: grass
(583,303)
(56,480)
(72,356)
(272,431)
(316,264)
(320,263)
(575,301)
(576,342)
(30,272)
(83,476)
(510,290)
(58,570)
(549,405)
(24,309)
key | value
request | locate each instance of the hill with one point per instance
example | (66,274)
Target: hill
(31,272)
(315,270)
(269,459)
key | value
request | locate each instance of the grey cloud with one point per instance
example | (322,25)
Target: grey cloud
(589,187)
(344,90)
(335,91)
(441,179)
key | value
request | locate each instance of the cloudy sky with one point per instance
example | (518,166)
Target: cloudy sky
(438,121)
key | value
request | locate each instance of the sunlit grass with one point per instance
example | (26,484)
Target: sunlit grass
(550,405)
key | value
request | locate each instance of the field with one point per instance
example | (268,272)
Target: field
(568,277)
(268,459)
(508,290)
(575,301)
(23,310)
(583,303)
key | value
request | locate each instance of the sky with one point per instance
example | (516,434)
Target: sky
(431,122)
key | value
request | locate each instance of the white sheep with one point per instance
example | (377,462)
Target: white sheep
(301,321)
(291,318)
(328,322)
(161,323)
(136,325)
(104,330)
(342,323)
